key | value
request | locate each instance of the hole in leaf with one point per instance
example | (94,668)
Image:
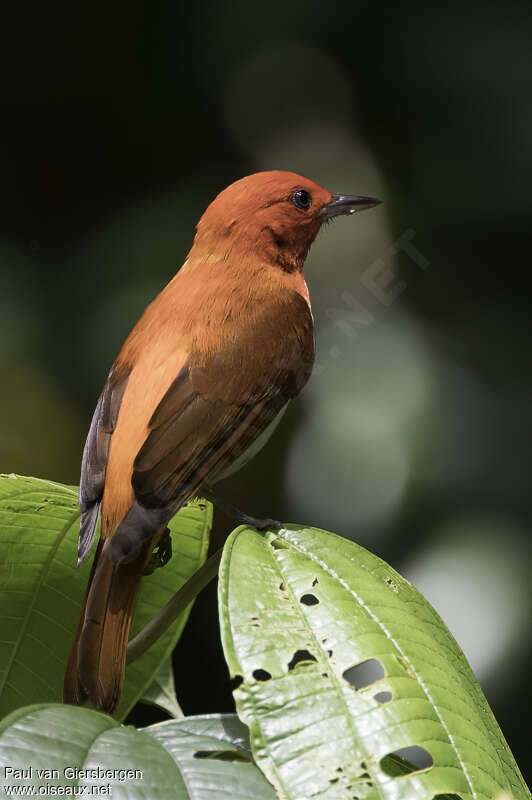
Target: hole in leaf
(282,586)
(364,674)
(334,780)
(383,697)
(309,600)
(236,682)
(261,675)
(405,761)
(329,653)
(324,674)
(224,755)
(315,582)
(447,797)
(279,544)
(339,769)
(299,656)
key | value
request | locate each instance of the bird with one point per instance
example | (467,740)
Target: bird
(199,384)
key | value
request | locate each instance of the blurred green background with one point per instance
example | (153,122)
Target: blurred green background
(121,123)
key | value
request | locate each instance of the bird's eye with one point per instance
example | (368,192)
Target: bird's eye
(302,199)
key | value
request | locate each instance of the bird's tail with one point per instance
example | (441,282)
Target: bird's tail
(97,661)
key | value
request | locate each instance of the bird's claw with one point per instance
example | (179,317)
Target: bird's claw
(235,513)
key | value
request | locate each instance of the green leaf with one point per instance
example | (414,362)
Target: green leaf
(193,758)
(214,757)
(161,692)
(300,610)
(41,590)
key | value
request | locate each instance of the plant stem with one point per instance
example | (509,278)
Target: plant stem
(174,607)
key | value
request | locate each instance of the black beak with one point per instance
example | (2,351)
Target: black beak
(347,204)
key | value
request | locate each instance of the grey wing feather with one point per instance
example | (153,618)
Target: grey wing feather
(95,455)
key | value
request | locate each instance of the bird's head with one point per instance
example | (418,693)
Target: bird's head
(273,215)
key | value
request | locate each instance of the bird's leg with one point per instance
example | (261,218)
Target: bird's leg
(239,516)
(162,553)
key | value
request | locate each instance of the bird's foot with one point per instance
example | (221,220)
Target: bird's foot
(161,555)
(239,516)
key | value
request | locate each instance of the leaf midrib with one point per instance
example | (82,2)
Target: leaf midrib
(356,738)
(229,629)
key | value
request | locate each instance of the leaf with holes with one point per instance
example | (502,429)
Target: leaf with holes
(349,681)
(193,758)
(41,590)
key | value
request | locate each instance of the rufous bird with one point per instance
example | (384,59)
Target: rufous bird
(200,382)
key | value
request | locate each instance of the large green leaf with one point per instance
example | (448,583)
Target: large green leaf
(41,590)
(193,758)
(344,665)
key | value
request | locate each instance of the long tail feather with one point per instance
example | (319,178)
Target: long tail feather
(96,666)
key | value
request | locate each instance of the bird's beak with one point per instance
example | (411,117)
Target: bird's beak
(347,204)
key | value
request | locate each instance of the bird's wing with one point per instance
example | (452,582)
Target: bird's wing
(214,409)
(95,454)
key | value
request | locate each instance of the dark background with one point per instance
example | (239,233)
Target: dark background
(121,123)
